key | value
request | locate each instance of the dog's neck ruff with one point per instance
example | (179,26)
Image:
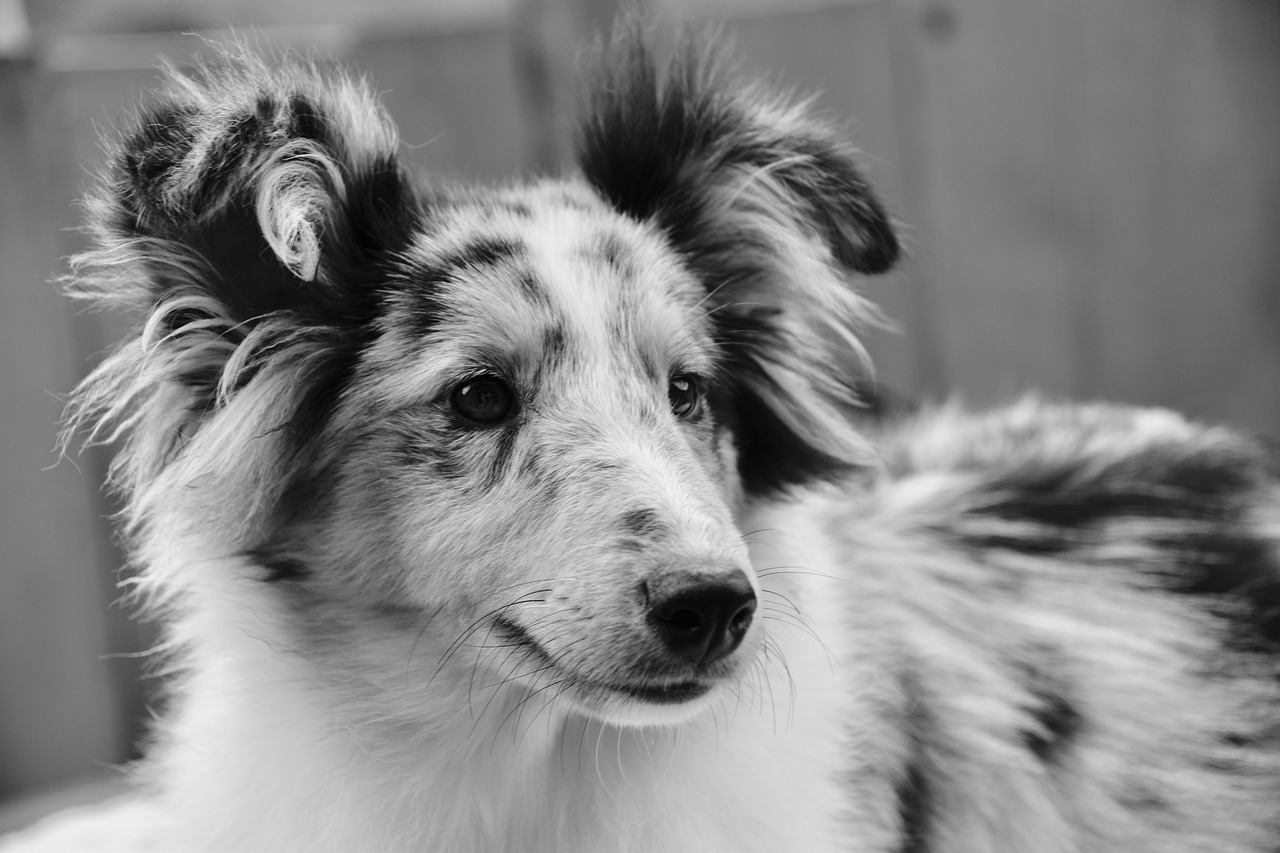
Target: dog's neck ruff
(275,753)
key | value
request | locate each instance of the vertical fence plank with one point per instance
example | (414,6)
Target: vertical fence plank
(454,96)
(1004,264)
(59,709)
(1183,100)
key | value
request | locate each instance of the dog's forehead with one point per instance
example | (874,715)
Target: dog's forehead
(552,267)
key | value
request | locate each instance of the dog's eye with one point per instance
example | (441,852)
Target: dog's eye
(484,400)
(685,395)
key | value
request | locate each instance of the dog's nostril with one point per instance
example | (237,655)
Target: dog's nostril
(685,620)
(701,618)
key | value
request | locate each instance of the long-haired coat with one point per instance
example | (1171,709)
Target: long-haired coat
(539,518)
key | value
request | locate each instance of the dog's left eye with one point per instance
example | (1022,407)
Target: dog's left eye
(484,400)
(685,395)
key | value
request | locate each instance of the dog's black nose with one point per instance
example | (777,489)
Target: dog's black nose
(702,617)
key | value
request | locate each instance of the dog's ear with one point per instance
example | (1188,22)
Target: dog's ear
(767,205)
(248,215)
(279,181)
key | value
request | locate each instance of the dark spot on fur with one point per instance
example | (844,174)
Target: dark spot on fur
(550,491)
(504,450)
(224,162)
(412,449)
(481,252)
(423,303)
(913,808)
(642,523)
(1139,796)
(545,478)
(306,121)
(1043,542)
(446,465)
(1160,482)
(161,141)
(913,790)
(422,284)
(612,249)
(1210,550)
(1231,561)
(614,252)
(554,343)
(1057,722)
(264,109)
(532,287)
(276,568)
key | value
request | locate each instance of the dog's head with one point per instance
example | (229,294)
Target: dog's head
(506,431)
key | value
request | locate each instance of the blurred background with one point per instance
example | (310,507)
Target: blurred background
(1090,191)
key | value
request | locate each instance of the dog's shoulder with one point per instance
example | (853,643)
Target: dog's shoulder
(1199,505)
(1079,604)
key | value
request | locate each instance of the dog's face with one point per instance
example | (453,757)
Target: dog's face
(505,433)
(533,442)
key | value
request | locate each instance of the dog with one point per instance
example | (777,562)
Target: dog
(542,517)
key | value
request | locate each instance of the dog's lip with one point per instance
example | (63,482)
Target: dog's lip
(663,694)
(654,693)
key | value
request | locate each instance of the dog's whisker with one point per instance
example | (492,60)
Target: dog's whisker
(485,619)
(783,598)
(495,691)
(789,615)
(780,656)
(772,571)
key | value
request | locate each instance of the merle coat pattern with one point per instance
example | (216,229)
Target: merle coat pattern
(536,517)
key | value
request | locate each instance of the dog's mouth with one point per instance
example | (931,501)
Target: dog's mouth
(666,694)
(648,691)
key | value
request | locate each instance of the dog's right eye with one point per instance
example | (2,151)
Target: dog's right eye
(484,400)
(684,393)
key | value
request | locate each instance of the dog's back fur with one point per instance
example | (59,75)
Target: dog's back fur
(538,518)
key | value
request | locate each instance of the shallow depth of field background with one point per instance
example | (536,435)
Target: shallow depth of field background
(1090,192)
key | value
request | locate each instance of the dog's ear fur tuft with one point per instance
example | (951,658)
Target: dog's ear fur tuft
(282,180)
(767,205)
(249,216)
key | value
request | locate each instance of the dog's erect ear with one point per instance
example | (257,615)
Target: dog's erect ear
(768,207)
(249,215)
